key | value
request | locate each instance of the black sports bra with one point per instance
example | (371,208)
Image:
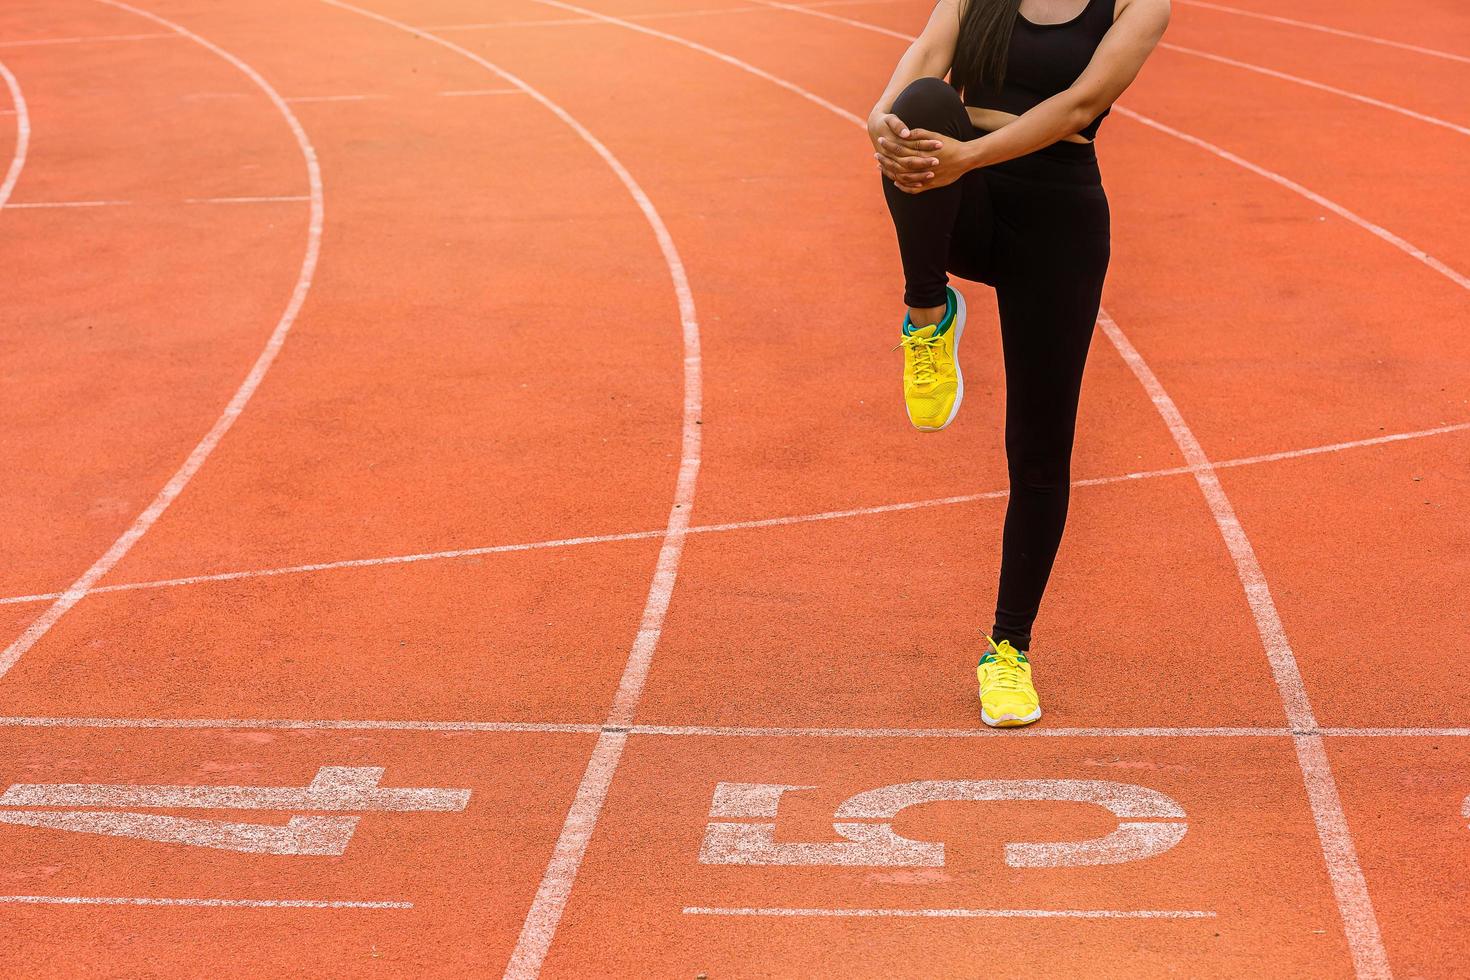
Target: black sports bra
(1047,58)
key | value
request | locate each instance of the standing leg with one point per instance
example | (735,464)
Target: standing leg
(1048,299)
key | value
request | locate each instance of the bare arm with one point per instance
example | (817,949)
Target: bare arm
(929,56)
(1114,66)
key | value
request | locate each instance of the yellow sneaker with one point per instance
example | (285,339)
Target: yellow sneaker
(1007,696)
(933,386)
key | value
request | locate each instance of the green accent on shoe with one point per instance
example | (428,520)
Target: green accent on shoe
(949,310)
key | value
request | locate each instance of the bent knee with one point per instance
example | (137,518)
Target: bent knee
(930,103)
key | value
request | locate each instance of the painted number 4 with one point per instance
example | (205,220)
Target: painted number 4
(334,789)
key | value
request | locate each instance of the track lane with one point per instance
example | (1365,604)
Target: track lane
(1364,22)
(418,416)
(394,394)
(1285,265)
(561,871)
(1353,901)
(115,390)
(1411,80)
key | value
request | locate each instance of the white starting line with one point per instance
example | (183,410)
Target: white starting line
(961,913)
(203,903)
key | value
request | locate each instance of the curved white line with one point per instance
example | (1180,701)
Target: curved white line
(1408,248)
(1404,246)
(838,18)
(242,395)
(711,52)
(571,845)
(1344,871)
(1350,889)
(22,135)
(1323,28)
(827,515)
(1320,86)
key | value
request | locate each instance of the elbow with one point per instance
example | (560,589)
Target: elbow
(1085,108)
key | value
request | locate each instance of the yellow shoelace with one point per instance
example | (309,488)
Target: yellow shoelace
(926,369)
(1005,662)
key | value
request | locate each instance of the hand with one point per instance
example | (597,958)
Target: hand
(949,160)
(903,158)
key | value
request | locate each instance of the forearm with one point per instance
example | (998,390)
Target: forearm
(1058,117)
(919,61)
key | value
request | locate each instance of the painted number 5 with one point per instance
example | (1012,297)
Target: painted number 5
(753,840)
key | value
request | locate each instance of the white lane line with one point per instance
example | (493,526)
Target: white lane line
(247,200)
(1396,732)
(1349,886)
(831,515)
(861,24)
(1370,960)
(539,927)
(207,903)
(1273,634)
(657,15)
(38,205)
(271,199)
(83,39)
(571,845)
(481,91)
(560,21)
(1323,28)
(242,395)
(1407,247)
(711,52)
(1031,731)
(283,724)
(357,563)
(1344,93)
(22,135)
(960,913)
(297,99)
(1378,231)
(708,731)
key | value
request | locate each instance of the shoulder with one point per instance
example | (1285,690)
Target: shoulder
(1153,12)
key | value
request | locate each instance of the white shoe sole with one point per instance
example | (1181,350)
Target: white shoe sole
(959,395)
(1009,721)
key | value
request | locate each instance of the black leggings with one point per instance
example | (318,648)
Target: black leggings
(1035,228)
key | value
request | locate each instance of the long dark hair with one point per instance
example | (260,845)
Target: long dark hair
(984,43)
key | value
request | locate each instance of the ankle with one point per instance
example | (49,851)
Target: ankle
(922,317)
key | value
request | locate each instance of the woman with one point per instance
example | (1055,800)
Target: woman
(993,177)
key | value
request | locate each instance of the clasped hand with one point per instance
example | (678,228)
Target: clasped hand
(916,160)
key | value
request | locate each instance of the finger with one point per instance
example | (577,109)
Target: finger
(894,148)
(896,171)
(902,178)
(911,146)
(905,161)
(908,161)
(924,139)
(896,125)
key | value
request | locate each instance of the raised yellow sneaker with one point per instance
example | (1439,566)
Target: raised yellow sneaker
(933,386)
(1007,696)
